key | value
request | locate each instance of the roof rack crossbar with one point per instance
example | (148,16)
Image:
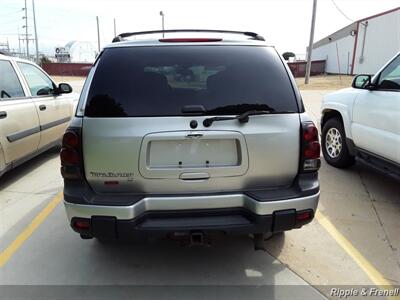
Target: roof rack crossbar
(121,36)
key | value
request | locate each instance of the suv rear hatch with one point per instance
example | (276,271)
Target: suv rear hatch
(143,129)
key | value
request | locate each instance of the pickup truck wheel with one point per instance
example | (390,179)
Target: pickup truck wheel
(334,145)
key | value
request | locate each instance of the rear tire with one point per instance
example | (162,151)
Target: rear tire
(334,146)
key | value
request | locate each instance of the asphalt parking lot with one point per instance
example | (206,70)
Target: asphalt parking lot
(354,240)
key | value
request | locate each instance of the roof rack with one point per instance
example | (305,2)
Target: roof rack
(121,36)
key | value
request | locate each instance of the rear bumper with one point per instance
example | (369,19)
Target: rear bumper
(190,203)
(231,221)
(231,213)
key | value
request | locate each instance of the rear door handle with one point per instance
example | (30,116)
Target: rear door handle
(42,107)
(3,114)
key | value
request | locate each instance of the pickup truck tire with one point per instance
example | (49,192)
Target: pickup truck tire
(334,147)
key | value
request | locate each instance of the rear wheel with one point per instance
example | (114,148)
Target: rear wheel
(334,147)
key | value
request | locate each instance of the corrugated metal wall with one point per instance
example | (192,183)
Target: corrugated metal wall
(329,53)
(382,42)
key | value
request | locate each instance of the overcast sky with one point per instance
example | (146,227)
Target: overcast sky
(284,23)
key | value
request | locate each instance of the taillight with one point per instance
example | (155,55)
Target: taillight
(70,154)
(310,148)
(70,139)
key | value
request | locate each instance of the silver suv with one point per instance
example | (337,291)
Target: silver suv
(189,135)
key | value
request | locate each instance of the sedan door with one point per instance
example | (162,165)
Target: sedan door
(376,115)
(54,110)
(19,122)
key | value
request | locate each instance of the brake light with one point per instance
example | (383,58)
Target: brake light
(189,40)
(310,149)
(70,139)
(70,155)
(310,132)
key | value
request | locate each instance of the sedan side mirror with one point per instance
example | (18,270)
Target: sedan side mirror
(64,88)
(362,82)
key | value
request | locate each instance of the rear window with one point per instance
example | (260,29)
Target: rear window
(161,81)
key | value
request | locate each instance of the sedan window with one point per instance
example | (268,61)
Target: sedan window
(39,83)
(10,87)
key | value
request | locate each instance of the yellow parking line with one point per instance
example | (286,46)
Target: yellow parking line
(376,277)
(24,235)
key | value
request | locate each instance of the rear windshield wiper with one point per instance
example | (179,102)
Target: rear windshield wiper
(242,118)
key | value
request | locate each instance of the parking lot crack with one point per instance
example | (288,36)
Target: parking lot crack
(372,200)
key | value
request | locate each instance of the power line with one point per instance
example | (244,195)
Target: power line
(9,22)
(10,13)
(343,14)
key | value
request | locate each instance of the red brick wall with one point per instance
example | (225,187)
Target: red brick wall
(298,68)
(67,69)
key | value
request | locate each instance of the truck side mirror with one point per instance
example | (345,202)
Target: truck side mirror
(361,81)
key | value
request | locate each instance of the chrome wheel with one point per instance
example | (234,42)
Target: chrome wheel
(333,142)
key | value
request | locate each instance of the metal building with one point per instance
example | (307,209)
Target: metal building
(361,47)
(76,52)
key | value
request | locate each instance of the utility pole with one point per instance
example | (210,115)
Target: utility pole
(98,33)
(162,20)
(115,28)
(26,31)
(338,63)
(34,27)
(309,52)
(19,43)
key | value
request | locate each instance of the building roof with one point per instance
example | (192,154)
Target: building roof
(345,31)
(341,33)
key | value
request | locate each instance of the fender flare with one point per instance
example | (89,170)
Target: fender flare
(343,111)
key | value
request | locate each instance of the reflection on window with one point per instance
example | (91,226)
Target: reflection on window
(193,77)
(39,84)
(10,87)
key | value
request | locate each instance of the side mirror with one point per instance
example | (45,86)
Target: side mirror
(64,88)
(361,82)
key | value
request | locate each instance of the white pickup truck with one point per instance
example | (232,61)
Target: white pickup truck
(364,121)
